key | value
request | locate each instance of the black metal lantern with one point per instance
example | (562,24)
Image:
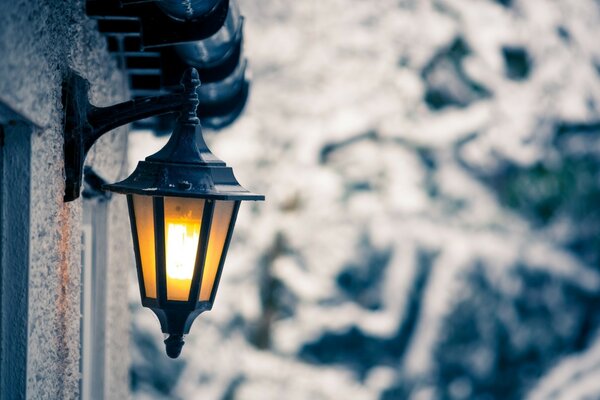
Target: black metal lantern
(183,203)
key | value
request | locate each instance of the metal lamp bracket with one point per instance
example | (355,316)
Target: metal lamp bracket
(85,123)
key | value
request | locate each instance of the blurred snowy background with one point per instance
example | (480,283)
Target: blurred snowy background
(432,223)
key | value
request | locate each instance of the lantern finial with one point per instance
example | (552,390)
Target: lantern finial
(174,343)
(190,82)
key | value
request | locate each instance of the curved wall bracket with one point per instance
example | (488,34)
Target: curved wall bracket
(84,123)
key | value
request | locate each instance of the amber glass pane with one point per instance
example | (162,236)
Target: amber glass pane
(183,218)
(216,241)
(144,222)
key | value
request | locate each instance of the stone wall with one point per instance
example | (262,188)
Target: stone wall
(39,42)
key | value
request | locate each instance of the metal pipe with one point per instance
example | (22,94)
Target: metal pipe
(225,89)
(186,9)
(222,102)
(209,52)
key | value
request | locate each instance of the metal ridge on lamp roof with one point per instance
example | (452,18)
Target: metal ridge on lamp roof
(173,179)
(185,166)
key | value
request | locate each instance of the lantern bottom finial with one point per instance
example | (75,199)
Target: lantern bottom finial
(174,343)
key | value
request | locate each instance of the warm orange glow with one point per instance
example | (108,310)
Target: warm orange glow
(182,231)
(216,242)
(182,226)
(144,219)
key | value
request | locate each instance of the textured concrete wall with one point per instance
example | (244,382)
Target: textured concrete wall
(39,41)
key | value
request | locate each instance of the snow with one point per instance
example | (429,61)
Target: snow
(399,228)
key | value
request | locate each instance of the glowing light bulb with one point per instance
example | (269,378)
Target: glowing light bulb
(182,245)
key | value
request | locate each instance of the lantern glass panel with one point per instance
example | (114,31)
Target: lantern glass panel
(183,217)
(144,222)
(218,234)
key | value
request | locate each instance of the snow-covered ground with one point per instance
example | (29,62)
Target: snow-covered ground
(431,172)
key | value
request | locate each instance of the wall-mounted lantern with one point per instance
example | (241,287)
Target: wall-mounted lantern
(183,204)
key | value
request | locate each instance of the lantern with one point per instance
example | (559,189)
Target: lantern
(183,203)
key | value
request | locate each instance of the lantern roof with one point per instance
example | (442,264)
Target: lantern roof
(185,166)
